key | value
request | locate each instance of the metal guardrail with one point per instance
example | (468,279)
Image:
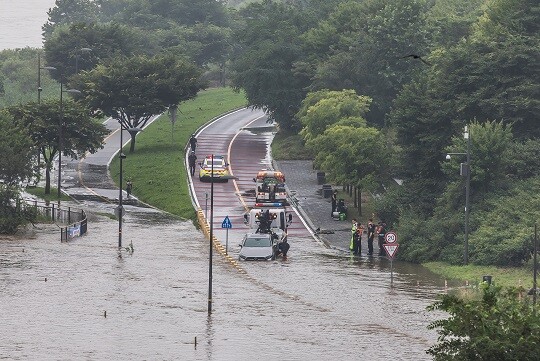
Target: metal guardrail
(73,222)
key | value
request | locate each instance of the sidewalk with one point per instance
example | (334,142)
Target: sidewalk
(301,179)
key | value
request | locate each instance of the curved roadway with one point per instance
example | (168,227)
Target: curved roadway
(244,138)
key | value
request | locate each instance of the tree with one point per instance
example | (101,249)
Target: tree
(360,47)
(267,47)
(151,14)
(351,155)
(448,22)
(63,47)
(81,133)
(497,324)
(423,129)
(490,144)
(70,12)
(132,90)
(16,152)
(324,108)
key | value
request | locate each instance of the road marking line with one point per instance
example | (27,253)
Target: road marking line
(230,164)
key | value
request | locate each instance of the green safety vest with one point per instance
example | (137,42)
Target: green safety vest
(353,231)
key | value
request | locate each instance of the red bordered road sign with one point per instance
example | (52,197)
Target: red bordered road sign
(391,249)
(390,237)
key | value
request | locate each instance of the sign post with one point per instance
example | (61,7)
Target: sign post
(391,247)
(226,224)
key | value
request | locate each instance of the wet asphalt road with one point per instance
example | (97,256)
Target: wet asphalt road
(319,304)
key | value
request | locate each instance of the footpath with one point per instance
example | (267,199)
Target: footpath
(301,180)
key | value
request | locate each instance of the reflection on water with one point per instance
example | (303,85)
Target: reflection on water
(80,300)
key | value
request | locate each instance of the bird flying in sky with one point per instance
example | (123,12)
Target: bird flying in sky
(414,56)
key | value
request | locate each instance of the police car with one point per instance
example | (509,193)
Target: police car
(220,168)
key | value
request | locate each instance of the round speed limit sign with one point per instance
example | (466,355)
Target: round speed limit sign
(390,237)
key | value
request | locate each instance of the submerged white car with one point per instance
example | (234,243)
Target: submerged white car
(258,247)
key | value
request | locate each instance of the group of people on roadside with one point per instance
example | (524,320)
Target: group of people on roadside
(192,158)
(372,230)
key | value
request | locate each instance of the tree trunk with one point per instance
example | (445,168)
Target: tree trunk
(132,143)
(355,199)
(48,178)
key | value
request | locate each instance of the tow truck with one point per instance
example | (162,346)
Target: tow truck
(270,187)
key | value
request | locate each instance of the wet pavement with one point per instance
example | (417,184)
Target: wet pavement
(86,299)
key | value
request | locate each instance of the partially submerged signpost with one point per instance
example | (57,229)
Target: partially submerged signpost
(391,246)
(226,224)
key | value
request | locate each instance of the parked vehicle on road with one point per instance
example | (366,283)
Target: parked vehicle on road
(220,168)
(269,220)
(258,247)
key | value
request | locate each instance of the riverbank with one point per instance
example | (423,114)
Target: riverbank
(473,274)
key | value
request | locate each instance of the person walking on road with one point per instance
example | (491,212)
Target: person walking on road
(370,235)
(192,159)
(193,142)
(129,188)
(381,231)
(334,203)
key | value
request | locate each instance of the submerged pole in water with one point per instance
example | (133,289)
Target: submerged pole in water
(535,264)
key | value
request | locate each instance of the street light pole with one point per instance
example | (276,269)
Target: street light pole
(211,235)
(120,196)
(39,78)
(39,89)
(466,172)
(60,132)
(467,193)
(60,138)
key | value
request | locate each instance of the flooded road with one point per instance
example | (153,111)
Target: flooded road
(85,299)
(319,303)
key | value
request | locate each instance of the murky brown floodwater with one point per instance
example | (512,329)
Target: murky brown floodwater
(317,305)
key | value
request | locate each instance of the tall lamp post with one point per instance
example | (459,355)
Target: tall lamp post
(39,89)
(211,236)
(60,131)
(212,230)
(122,156)
(40,68)
(465,171)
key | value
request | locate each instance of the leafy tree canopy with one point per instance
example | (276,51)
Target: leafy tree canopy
(83,46)
(16,152)
(67,12)
(351,155)
(134,89)
(323,108)
(81,133)
(267,48)
(495,325)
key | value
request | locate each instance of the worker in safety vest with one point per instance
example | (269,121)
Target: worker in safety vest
(354,236)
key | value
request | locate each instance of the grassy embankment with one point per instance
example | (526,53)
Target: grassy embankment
(506,277)
(156,168)
(52,197)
